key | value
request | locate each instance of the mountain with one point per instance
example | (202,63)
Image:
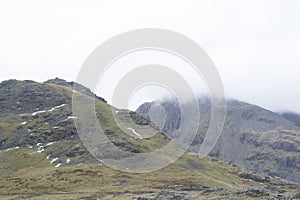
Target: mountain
(292,117)
(42,156)
(253,138)
(39,113)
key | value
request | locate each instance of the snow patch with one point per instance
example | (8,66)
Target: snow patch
(53,160)
(23,123)
(38,112)
(133,131)
(50,143)
(9,149)
(57,107)
(60,106)
(58,165)
(40,150)
(68,160)
(72,117)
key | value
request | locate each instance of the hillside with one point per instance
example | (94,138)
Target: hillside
(42,157)
(253,138)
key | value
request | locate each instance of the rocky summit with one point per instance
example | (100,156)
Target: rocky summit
(42,156)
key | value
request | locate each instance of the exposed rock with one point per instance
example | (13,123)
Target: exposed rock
(254,191)
(256,177)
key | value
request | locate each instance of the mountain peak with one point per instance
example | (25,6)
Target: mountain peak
(59,81)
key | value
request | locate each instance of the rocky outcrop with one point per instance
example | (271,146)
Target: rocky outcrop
(74,86)
(17,97)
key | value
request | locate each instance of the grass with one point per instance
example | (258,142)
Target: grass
(33,174)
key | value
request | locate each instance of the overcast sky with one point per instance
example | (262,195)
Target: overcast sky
(255,45)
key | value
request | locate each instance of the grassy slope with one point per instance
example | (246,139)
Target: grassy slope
(33,174)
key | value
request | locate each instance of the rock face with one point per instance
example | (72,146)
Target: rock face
(18,97)
(253,138)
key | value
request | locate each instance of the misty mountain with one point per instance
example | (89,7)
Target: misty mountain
(292,117)
(253,138)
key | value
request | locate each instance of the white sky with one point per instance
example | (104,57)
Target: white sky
(255,45)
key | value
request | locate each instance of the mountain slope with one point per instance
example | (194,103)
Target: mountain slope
(253,138)
(292,117)
(41,113)
(42,157)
